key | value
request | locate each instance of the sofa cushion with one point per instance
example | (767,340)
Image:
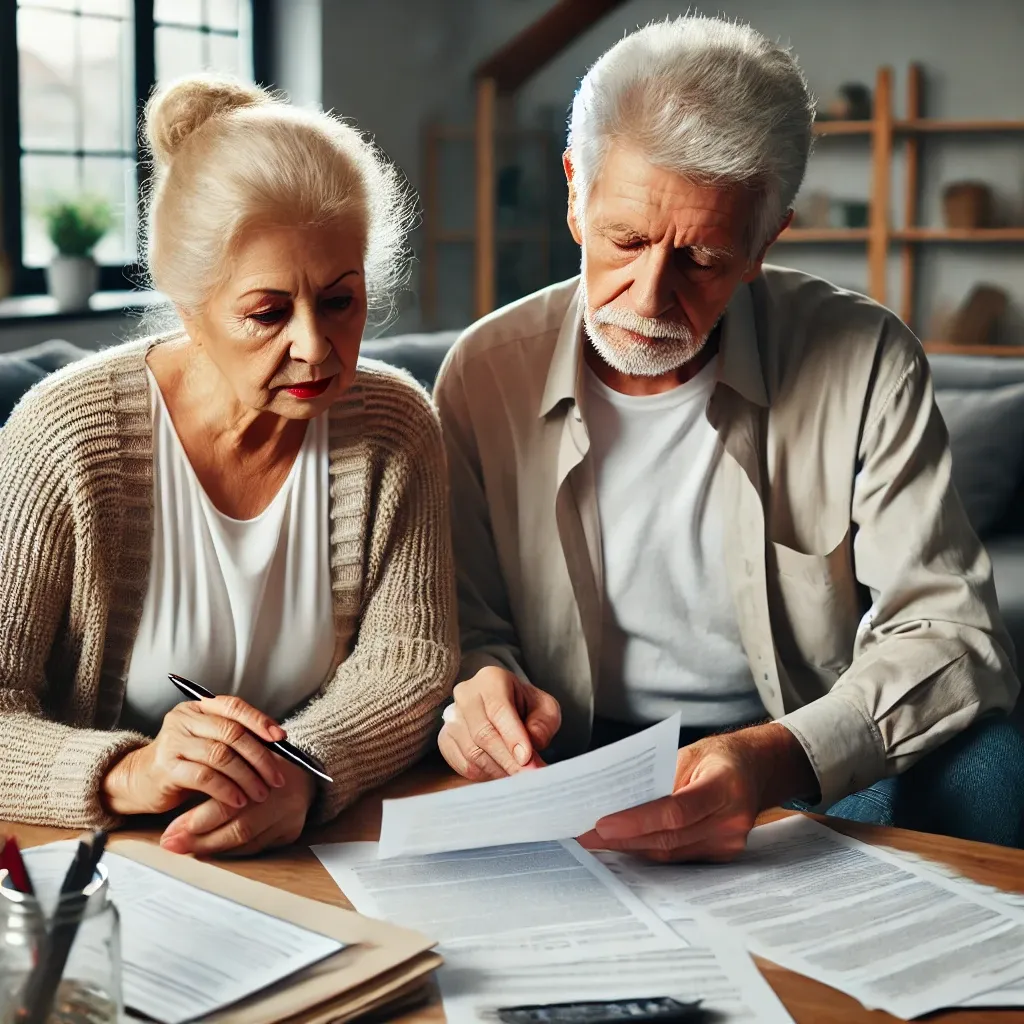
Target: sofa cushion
(1007,554)
(986,437)
(17,375)
(418,354)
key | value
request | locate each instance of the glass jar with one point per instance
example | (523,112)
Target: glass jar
(89,990)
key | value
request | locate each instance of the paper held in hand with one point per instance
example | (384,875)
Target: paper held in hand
(560,801)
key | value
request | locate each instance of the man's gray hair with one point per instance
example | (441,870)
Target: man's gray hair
(711,100)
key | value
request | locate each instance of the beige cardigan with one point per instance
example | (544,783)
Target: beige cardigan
(76,521)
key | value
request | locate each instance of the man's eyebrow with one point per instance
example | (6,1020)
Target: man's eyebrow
(620,230)
(710,252)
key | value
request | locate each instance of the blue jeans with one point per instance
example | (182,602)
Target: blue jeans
(971,787)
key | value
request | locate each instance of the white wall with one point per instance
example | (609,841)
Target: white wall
(393,65)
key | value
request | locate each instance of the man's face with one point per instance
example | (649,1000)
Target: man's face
(661,259)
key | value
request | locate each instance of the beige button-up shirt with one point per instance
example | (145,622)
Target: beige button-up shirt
(865,601)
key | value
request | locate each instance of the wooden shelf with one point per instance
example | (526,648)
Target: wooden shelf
(843,127)
(938,126)
(959,235)
(825,236)
(945,348)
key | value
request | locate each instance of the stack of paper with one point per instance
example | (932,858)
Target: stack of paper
(891,933)
(198,942)
(546,922)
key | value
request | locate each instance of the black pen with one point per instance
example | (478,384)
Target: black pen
(193,691)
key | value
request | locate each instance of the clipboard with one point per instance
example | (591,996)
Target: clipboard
(380,963)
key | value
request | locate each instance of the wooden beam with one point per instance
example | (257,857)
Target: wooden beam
(881,174)
(908,255)
(529,51)
(486,95)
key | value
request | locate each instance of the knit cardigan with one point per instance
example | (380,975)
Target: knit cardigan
(76,525)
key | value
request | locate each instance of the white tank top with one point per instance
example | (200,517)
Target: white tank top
(240,606)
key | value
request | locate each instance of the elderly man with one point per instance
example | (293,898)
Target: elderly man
(689,481)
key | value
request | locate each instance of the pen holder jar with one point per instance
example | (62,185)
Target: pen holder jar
(34,928)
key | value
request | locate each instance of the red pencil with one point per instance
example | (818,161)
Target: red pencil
(10,858)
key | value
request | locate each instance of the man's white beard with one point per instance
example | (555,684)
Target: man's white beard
(672,344)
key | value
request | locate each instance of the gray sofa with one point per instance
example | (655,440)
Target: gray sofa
(981,398)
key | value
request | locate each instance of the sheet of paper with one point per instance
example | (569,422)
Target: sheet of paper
(537,923)
(847,914)
(552,899)
(184,952)
(1009,995)
(557,802)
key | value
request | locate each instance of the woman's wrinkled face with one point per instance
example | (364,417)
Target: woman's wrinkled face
(284,327)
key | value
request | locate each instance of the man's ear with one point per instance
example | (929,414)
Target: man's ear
(754,267)
(570,215)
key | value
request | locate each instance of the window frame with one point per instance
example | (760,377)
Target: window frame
(32,280)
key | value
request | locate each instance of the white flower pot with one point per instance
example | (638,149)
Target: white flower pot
(71,280)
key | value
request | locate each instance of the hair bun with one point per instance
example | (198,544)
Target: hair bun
(180,108)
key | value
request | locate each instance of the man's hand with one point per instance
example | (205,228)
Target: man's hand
(215,828)
(722,784)
(496,725)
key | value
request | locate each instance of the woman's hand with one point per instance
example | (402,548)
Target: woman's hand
(496,725)
(215,828)
(207,746)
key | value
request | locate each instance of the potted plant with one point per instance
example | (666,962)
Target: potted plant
(74,227)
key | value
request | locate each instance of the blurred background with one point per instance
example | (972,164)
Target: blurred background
(915,193)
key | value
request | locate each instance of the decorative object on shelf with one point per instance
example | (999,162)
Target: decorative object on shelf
(967,204)
(849,213)
(975,322)
(852,102)
(75,226)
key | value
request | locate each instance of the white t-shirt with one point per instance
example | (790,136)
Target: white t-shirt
(240,606)
(670,640)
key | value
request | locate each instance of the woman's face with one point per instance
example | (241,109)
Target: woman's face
(284,327)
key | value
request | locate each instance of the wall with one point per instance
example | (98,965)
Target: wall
(396,64)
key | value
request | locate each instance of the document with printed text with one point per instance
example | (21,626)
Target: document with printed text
(852,916)
(560,801)
(186,952)
(545,922)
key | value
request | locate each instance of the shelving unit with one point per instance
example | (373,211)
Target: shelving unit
(885,132)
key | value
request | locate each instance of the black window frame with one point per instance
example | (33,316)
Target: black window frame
(32,280)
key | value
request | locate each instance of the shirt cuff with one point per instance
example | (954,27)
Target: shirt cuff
(842,743)
(487,657)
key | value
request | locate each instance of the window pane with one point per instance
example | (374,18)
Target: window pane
(43,180)
(119,8)
(225,55)
(114,179)
(181,12)
(179,51)
(49,102)
(222,13)
(107,84)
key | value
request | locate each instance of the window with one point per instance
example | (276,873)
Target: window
(74,74)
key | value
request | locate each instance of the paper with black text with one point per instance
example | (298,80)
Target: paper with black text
(560,801)
(850,915)
(546,922)
(186,952)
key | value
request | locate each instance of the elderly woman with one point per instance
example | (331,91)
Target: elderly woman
(239,503)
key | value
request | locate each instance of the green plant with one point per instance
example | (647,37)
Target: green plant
(76,225)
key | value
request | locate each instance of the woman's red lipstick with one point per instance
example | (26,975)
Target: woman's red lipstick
(311,390)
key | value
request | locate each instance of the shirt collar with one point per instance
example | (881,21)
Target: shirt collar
(739,361)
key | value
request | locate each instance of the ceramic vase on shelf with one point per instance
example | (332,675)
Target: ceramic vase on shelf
(71,280)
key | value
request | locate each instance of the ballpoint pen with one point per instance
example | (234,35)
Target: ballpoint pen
(194,691)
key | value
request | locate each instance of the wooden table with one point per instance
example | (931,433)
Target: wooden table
(809,1002)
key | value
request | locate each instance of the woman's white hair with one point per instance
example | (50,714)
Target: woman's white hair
(711,100)
(227,155)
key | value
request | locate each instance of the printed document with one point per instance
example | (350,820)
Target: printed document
(855,917)
(186,952)
(557,802)
(546,922)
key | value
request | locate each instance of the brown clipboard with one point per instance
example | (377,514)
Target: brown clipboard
(380,961)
